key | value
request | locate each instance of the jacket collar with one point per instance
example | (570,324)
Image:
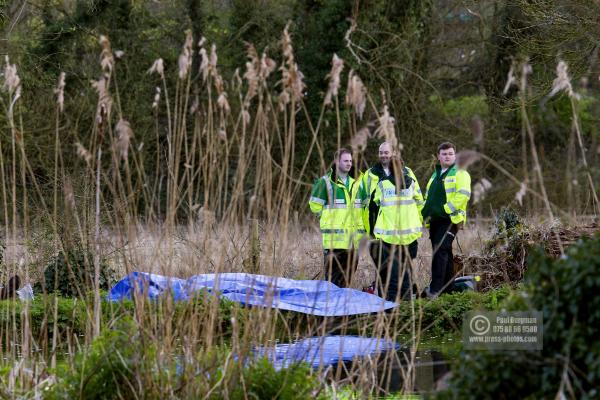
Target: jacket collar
(333,175)
(377,170)
(438,169)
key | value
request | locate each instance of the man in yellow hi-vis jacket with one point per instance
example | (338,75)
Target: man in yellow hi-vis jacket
(448,192)
(393,216)
(338,200)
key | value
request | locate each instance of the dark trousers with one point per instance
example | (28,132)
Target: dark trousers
(442,234)
(392,262)
(340,266)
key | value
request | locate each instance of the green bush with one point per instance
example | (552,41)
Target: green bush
(444,314)
(108,369)
(73,315)
(123,363)
(72,274)
(565,290)
(262,381)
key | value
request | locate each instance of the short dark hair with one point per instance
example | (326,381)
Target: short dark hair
(446,146)
(340,153)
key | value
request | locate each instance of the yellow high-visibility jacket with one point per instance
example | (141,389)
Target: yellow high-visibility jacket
(370,180)
(339,209)
(399,220)
(457,185)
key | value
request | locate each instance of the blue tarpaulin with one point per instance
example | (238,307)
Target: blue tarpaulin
(306,296)
(325,350)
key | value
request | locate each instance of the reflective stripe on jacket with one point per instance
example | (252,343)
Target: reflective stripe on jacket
(371,180)
(339,210)
(399,220)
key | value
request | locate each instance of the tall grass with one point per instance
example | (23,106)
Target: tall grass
(225,189)
(223,197)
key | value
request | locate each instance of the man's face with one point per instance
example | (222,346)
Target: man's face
(447,157)
(345,163)
(385,154)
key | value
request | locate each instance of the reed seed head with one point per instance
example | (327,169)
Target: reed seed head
(479,190)
(185,58)
(158,67)
(520,195)
(124,135)
(337,65)
(465,158)
(562,82)
(156,98)
(356,94)
(11,78)
(107,60)
(83,153)
(60,91)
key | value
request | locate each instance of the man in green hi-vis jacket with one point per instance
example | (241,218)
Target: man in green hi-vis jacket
(448,192)
(337,199)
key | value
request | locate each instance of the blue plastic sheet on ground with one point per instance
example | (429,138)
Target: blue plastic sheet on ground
(306,296)
(324,350)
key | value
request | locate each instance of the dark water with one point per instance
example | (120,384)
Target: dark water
(389,372)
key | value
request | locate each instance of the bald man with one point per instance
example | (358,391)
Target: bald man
(391,263)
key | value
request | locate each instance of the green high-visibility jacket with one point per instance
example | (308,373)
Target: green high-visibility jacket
(339,209)
(370,180)
(457,185)
(399,220)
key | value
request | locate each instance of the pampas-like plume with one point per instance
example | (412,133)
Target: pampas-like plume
(223,103)
(257,71)
(185,58)
(563,82)
(386,129)
(104,99)
(159,67)
(213,57)
(245,116)
(465,158)
(252,71)
(526,70)
(479,190)
(292,78)
(68,191)
(83,153)
(511,79)
(124,135)
(11,78)
(194,106)
(106,56)
(477,129)
(359,141)
(203,63)
(356,94)
(60,91)
(156,98)
(337,65)
(267,66)
(286,44)
(222,134)
(521,193)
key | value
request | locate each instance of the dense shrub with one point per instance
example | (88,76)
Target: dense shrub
(565,290)
(74,316)
(123,363)
(444,314)
(71,273)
